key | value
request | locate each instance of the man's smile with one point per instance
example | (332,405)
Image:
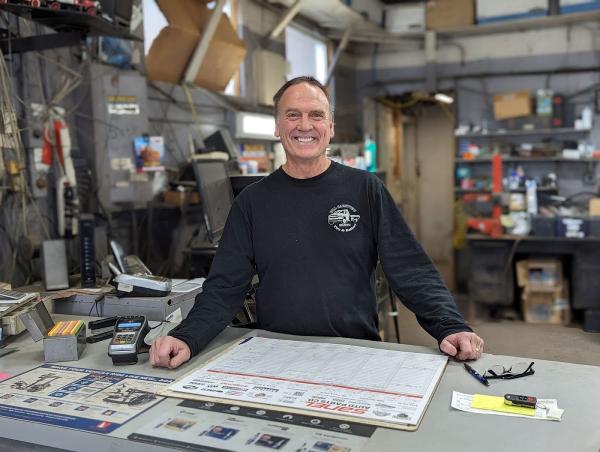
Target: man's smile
(305,140)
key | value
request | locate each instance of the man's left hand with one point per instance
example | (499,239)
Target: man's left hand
(462,346)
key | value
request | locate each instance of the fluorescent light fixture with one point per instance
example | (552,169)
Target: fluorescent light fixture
(255,126)
(443,98)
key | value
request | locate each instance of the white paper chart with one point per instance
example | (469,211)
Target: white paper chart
(368,383)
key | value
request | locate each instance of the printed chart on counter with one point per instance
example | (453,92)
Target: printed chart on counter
(211,426)
(84,399)
(389,388)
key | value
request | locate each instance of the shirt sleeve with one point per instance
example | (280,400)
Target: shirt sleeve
(409,270)
(224,290)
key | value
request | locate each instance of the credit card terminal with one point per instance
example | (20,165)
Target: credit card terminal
(128,339)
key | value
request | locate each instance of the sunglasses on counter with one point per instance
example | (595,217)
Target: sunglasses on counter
(517,370)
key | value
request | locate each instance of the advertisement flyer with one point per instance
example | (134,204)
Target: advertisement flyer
(367,383)
(84,399)
(149,153)
(208,426)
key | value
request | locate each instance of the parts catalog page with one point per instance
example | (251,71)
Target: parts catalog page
(84,399)
(209,426)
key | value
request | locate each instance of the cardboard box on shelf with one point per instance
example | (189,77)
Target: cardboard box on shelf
(179,198)
(271,72)
(405,17)
(172,50)
(489,11)
(512,105)
(444,14)
(539,274)
(547,306)
(595,207)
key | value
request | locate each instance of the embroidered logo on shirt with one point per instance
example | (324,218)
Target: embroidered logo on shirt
(343,218)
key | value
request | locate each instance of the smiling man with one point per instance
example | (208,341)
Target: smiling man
(314,231)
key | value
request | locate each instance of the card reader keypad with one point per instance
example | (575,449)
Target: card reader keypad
(124,338)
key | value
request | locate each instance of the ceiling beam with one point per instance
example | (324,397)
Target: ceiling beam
(198,57)
(286,19)
(338,52)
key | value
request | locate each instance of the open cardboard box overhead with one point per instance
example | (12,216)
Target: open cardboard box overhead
(172,50)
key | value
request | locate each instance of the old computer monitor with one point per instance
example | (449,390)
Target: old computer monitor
(216,195)
(118,254)
(221,141)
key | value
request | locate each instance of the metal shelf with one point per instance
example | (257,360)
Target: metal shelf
(65,20)
(521,25)
(527,160)
(517,190)
(531,238)
(508,133)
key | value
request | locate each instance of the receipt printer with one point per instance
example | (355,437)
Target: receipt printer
(128,339)
(139,285)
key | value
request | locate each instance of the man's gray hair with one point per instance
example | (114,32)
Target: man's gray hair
(295,81)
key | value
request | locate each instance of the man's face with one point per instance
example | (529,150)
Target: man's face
(303,122)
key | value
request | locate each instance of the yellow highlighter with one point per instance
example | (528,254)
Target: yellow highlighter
(54,329)
(72,327)
(58,328)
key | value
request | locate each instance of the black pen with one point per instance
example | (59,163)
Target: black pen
(476,375)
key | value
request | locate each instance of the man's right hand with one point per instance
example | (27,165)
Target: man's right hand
(167,351)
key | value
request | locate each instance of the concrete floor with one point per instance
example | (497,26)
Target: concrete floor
(517,338)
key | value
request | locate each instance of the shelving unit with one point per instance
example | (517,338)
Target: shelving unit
(532,238)
(511,133)
(491,259)
(517,190)
(72,26)
(511,137)
(527,160)
(537,23)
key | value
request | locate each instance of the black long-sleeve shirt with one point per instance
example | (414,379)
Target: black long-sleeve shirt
(314,244)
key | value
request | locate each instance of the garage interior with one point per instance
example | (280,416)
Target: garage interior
(481,117)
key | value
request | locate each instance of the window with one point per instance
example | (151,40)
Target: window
(154,21)
(307,55)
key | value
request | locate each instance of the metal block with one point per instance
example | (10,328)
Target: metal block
(64,348)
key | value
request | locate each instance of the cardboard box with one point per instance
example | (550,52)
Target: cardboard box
(405,18)
(179,198)
(489,11)
(547,307)
(172,50)
(594,207)
(271,73)
(512,105)
(444,14)
(540,274)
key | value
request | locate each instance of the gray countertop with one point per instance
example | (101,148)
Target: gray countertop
(576,387)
